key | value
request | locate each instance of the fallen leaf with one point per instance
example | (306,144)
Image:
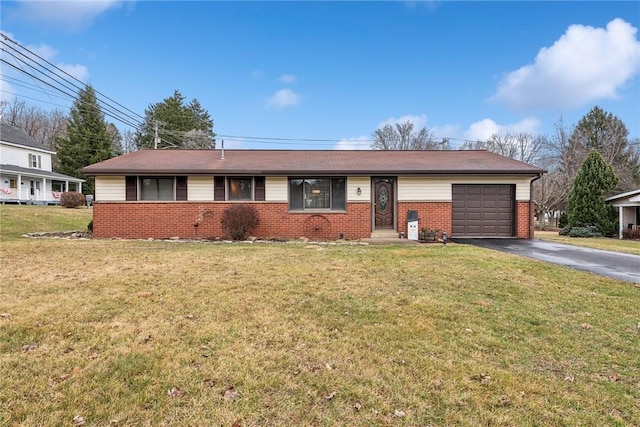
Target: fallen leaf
(331,395)
(236,424)
(209,382)
(504,401)
(147,338)
(79,421)
(93,356)
(374,412)
(230,393)
(398,413)
(357,406)
(64,377)
(5,315)
(569,378)
(176,392)
(29,347)
(586,326)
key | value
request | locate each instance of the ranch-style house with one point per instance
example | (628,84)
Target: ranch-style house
(318,194)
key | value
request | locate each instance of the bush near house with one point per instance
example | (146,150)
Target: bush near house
(72,199)
(586,231)
(239,220)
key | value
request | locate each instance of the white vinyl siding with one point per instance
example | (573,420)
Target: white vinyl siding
(355,182)
(18,156)
(110,188)
(438,189)
(200,188)
(276,188)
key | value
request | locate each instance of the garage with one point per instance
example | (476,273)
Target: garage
(483,210)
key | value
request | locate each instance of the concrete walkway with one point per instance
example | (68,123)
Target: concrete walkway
(605,263)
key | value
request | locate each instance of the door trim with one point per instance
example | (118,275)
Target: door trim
(393,203)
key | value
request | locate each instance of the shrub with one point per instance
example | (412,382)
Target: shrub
(562,221)
(587,231)
(72,199)
(239,220)
(632,234)
(90,226)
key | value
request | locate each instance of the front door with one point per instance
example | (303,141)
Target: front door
(384,203)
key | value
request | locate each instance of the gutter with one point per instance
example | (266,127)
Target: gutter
(531,210)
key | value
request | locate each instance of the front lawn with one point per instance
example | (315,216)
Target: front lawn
(113,332)
(603,243)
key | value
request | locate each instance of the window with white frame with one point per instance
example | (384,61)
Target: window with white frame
(35,161)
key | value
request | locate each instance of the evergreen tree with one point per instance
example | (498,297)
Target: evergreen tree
(179,125)
(87,140)
(586,205)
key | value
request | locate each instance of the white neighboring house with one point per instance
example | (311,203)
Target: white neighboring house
(25,170)
(628,205)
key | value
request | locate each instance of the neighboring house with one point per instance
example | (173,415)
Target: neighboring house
(317,194)
(628,205)
(25,170)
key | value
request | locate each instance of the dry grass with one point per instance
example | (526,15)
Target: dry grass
(306,335)
(603,243)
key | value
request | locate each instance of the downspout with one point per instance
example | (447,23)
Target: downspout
(531,209)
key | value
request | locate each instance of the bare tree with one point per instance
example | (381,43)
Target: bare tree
(41,125)
(522,146)
(128,141)
(403,137)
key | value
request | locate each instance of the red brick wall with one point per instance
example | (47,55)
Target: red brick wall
(431,215)
(524,220)
(161,220)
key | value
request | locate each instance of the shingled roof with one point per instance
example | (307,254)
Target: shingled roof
(309,162)
(17,136)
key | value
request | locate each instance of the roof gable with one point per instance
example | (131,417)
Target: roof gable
(305,162)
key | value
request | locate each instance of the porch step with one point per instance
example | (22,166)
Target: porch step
(385,234)
(388,237)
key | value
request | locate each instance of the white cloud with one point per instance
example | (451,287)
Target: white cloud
(283,98)
(288,78)
(360,143)
(483,129)
(418,121)
(584,65)
(75,15)
(78,71)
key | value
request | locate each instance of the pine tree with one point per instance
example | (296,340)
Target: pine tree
(179,125)
(87,140)
(586,205)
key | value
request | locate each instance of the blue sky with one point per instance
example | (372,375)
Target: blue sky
(336,71)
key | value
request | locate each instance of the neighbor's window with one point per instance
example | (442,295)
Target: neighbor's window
(13,183)
(317,193)
(156,189)
(240,188)
(57,186)
(35,161)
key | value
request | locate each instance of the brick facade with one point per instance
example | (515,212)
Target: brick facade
(193,220)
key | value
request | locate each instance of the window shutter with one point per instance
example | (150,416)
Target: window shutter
(218,188)
(39,162)
(30,160)
(181,188)
(259,189)
(131,184)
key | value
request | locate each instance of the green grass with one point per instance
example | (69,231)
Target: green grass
(603,243)
(449,335)
(16,220)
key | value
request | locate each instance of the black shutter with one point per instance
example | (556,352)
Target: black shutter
(259,189)
(218,188)
(181,188)
(131,185)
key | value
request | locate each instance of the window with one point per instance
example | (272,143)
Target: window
(57,186)
(317,193)
(240,188)
(35,161)
(156,188)
(13,183)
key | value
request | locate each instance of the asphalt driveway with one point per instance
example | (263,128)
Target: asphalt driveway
(605,263)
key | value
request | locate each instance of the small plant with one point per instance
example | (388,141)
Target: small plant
(586,231)
(631,233)
(72,199)
(90,226)
(239,220)
(427,233)
(562,221)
